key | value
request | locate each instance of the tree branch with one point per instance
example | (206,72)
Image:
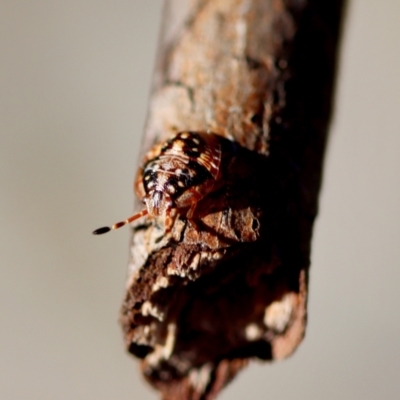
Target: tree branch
(207,296)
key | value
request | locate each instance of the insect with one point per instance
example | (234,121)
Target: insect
(175,175)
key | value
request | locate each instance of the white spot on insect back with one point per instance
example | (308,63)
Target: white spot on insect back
(171,188)
(178,145)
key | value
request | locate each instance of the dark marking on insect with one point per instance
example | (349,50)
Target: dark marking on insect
(175,175)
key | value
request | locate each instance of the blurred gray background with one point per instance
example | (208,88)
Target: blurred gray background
(74,82)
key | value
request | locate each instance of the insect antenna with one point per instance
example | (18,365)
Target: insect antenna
(118,225)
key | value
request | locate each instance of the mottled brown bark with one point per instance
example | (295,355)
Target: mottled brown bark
(204,298)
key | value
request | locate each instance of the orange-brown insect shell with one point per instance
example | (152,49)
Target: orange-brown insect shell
(179,172)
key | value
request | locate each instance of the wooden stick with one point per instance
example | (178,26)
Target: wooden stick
(208,295)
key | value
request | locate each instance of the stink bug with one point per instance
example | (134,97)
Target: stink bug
(175,175)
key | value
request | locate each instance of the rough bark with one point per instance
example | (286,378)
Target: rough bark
(205,298)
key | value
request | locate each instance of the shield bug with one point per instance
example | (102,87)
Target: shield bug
(175,175)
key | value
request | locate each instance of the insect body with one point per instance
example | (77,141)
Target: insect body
(176,174)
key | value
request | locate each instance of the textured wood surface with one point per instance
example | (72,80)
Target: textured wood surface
(208,296)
